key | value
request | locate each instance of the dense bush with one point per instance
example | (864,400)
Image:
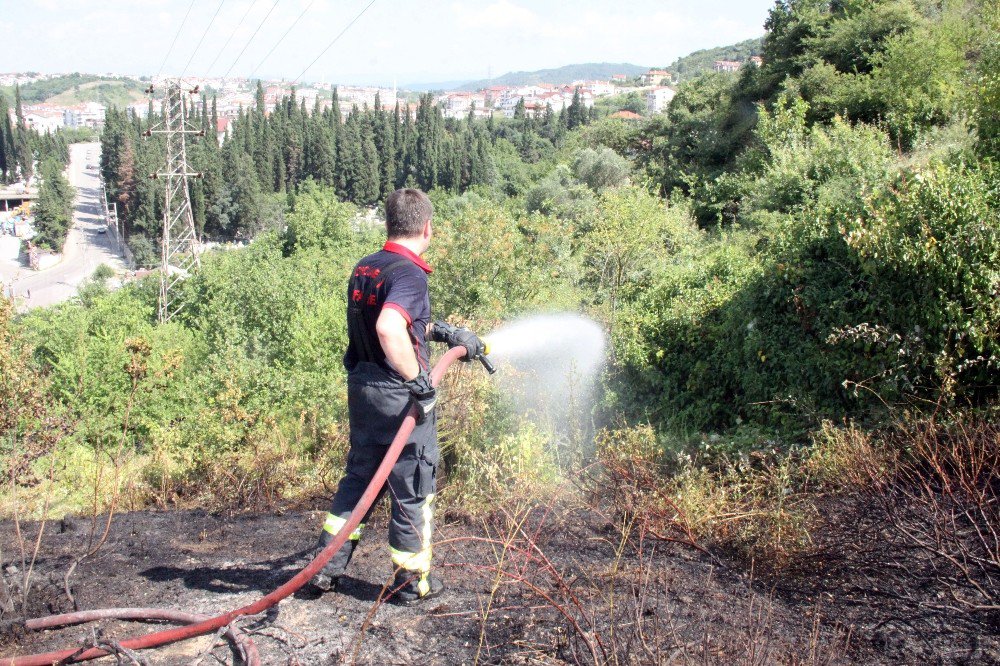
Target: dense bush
(859,284)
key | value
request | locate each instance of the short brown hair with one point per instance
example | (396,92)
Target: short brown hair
(406,212)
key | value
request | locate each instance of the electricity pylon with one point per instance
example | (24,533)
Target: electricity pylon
(180,247)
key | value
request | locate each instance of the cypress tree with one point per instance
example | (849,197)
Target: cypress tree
(484,169)
(519,112)
(427,149)
(576,115)
(7,158)
(549,129)
(408,177)
(468,142)
(367,188)
(22,137)
(319,151)
(385,144)
(335,115)
(348,157)
(126,176)
(260,105)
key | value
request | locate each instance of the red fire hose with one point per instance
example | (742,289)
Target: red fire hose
(241,641)
(297,581)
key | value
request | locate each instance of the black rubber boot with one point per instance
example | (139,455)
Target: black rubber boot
(323,582)
(327,578)
(406,591)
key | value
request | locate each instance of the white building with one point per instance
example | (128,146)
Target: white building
(600,88)
(727,65)
(90,114)
(140,109)
(44,121)
(360,96)
(458,104)
(658,98)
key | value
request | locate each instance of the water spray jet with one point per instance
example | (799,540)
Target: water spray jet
(551,363)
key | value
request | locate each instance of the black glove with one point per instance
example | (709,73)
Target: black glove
(442,331)
(422,394)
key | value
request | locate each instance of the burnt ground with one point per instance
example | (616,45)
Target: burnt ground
(567,587)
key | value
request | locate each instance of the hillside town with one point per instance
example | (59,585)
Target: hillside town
(657,87)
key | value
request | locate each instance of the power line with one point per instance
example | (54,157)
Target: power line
(328,46)
(231,35)
(203,35)
(181,27)
(281,39)
(261,25)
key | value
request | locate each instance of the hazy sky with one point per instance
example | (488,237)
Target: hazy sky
(407,40)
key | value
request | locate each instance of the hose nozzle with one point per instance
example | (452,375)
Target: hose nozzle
(490,368)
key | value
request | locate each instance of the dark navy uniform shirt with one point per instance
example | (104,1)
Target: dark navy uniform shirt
(394,278)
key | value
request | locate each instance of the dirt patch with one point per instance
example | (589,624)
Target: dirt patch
(543,585)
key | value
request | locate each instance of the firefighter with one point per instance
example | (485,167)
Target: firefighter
(389,325)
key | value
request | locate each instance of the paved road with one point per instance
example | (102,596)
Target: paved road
(85,248)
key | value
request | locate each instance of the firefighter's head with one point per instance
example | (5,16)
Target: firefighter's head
(408,214)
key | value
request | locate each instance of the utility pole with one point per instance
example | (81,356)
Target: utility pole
(180,246)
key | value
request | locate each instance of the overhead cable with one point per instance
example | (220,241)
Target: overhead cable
(178,34)
(231,35)
(281,39)
(259,26)
(335,39)
(203,35)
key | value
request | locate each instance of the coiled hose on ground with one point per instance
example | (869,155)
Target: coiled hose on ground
(205,626)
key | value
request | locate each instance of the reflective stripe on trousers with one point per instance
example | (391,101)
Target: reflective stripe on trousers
(419,562)
(334,523)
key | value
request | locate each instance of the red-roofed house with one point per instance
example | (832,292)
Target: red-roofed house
(626,115)
(222,128)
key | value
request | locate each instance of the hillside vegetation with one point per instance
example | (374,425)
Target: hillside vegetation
(703,61)
(75,88)
(796,265)
(118,93)
(588,71)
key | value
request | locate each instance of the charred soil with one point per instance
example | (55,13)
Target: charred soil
(542,585)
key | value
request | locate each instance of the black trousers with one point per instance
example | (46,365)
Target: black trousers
(377,403)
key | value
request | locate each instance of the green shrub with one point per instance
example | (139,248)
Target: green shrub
(560,194)
(930,243)
(600,169)
(490,263)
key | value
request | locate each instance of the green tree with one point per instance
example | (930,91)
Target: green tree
(8,149)
(367,184)
(631,233)
(54,208)
(576,112)
(22,138)
(601,169)
(319,220)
